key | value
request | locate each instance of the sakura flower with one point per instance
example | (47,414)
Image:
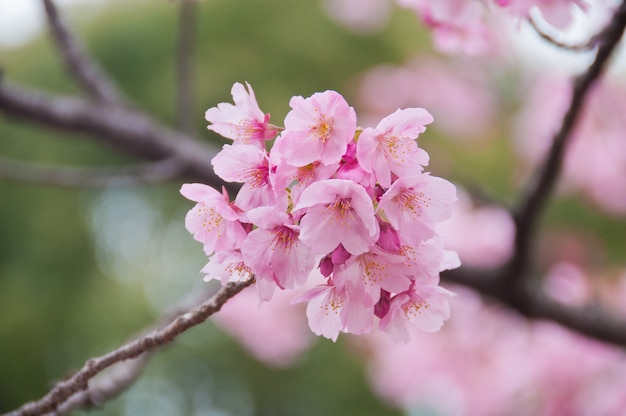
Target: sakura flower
(413,203)
(274,251)
(213,221)
(372,271)
(391,148)
(248,165)
(331,311)
(425,307)
(339,212)
(318,128)
(227,266)
(243,122)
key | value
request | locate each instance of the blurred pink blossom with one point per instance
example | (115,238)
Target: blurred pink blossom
(488,361)
(460,98)
(483,236)
(275,333)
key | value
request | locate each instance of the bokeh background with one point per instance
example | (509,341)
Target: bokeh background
(81,271)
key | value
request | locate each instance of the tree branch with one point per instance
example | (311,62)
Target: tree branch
(537,194)
(80,380)
(123,128)
(184,65)
(75,177)
(81,67)
(590,44)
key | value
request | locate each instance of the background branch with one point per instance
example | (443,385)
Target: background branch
(75,177)
(80,66)
(184,65)
(535,198)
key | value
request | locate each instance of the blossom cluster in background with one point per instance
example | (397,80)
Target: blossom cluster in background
(353,203)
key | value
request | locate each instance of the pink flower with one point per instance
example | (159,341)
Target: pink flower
(243,122)
(425,307)
(391,148)
(368,273)
(213,221)
(331,311)
(317,128)
(413,203)
(227,266)
(274,252)
(339,212)
(248,165)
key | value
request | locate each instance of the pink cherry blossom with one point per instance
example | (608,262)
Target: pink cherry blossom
(318,128)
(213,221)
(243,122)
(425,307)
(248,165)
(339,212)
(331,311)
(274,252)
(413,203)
(227,266)
(391,148)
(372,271)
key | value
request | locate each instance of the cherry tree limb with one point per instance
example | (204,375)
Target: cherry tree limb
(512,284)
(585,46)
(536,196)
(184,65)
(77,177)
(84,70)
(126,129)
(80,380)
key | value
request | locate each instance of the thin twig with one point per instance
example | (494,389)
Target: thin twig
(184,65)
(75,177)
(83,69)
(590,44)
(538,193)
(115,380)
(80,380)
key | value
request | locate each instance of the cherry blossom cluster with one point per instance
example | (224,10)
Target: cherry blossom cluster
(346,215)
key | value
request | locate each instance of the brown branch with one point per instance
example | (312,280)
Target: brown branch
(535,198)
(83,69)
(75,177)
(592,321)
(115,380)
(125,129)
(512,284)
(80,380)
(590,44)
(184,65)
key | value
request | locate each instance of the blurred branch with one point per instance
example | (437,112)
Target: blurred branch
(512,284)
(74,177)
(109,384)
(535,198)
(127,130)
(184,65)
(592,321)
(79,382)
(83,69)
(590,44)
